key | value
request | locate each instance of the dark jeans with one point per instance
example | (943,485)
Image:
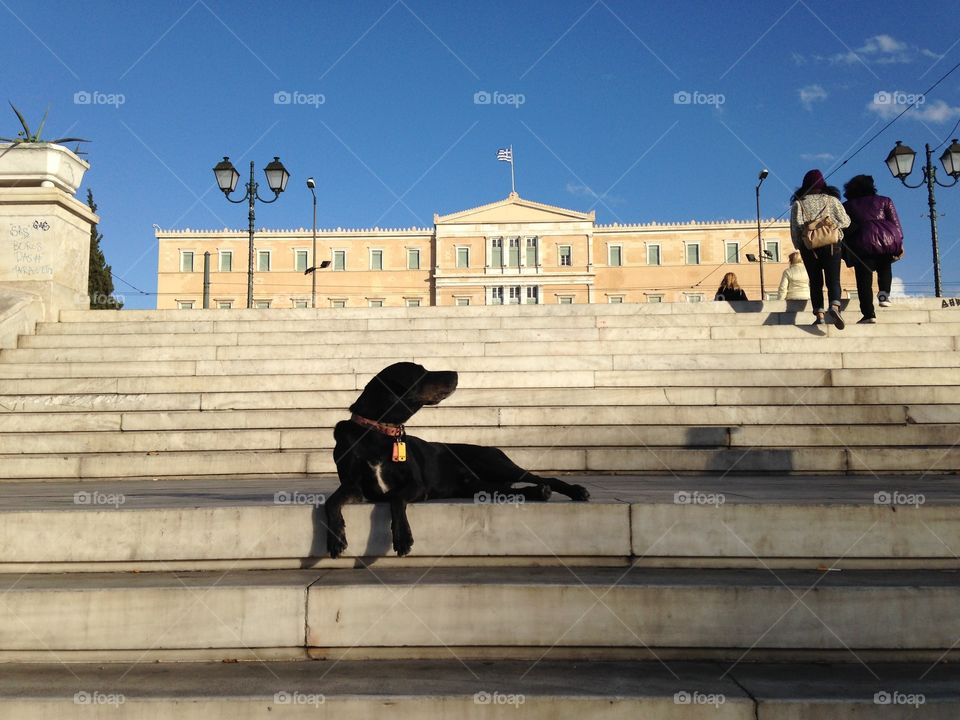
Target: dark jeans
(823,266)
(864,270)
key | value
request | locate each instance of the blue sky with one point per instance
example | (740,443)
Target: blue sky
(644,111)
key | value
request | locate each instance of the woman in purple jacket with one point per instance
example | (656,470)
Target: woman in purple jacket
(872,242)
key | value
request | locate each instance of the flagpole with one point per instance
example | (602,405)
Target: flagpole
(513,181)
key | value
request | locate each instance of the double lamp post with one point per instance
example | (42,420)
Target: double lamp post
(900,161)
(277,177)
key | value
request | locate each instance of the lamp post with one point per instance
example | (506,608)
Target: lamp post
(227,177)
(761,177)
(311,183)
(900,161)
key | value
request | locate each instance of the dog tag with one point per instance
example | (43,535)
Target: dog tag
(399,451)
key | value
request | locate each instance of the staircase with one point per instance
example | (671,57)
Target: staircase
(773,531)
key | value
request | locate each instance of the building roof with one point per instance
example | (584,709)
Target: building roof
(523,211)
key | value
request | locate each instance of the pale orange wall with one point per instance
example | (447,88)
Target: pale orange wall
(635,281)
(357,284)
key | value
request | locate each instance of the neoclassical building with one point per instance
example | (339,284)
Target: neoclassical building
(511,251)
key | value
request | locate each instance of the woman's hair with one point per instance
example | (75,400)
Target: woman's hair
(729,282)
(831,190)
(794,258)
(859,186)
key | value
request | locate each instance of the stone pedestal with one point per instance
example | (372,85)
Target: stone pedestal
(45,246)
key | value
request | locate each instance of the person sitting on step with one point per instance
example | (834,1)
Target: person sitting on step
(730,289)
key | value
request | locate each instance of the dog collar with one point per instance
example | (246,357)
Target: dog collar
(389,429)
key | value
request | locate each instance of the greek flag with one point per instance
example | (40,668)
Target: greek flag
(505,154)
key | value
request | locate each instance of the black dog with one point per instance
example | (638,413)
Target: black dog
(370,449)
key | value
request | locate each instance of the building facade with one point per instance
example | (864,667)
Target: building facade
(508,252)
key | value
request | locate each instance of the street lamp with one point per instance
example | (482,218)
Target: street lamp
(227,177)
(312,184)
(900,161)
(761,177)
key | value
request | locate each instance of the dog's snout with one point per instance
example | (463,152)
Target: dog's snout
(438,386)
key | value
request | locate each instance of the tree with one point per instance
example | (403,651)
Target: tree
(100,281)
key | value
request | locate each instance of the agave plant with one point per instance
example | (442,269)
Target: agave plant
(25,136)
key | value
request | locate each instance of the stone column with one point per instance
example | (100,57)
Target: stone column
(44,238)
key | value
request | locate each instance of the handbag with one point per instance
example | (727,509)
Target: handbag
(819,232)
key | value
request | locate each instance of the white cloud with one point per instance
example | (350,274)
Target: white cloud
(897,288)
(880,49)
(888,104)
(882,44)
(824,156)
(584,190)
(811,94)
(587,191)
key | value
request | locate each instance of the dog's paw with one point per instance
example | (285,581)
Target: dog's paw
(544,492)
(403,542)
(336,543)
(579,493)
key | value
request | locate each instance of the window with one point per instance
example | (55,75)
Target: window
(375,303)
(226,261)
(654,298)
(413,302)
(300,260)
(513,259)
(533,295)
(301,304)
(463,257)
(695,298)
(263,260)
(566,255)
(338,303)
(339,260)
(733,252)
(496,252)
(615,299)
(693,253)
(514,296)
(773,247)
(224,304)
(261,304)
(565,299)
(185,304)
(615,253)
(186,261)
(376,259)
(496,296)
(531,258)
(413,259)
(462,301)
(653,254)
